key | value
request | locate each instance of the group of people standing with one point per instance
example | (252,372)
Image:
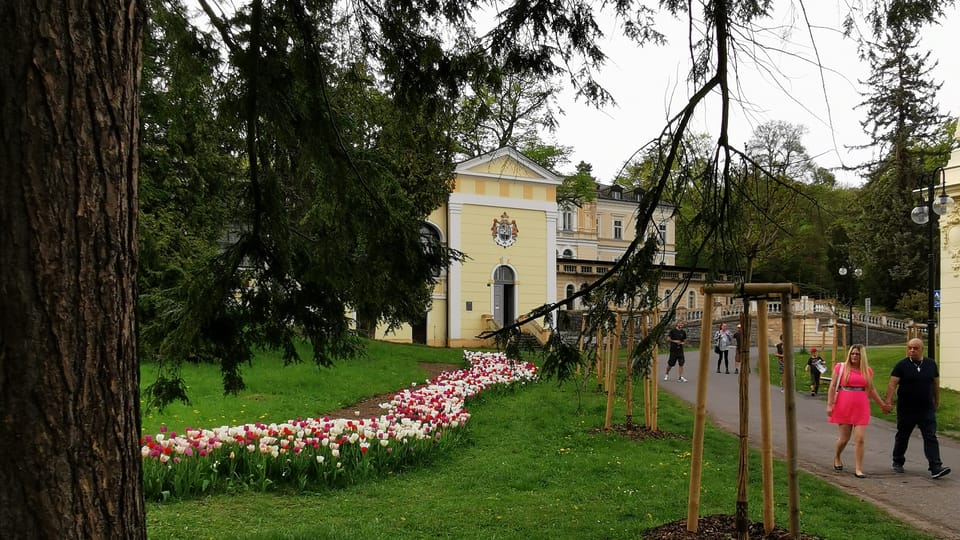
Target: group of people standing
(723,341)
(914,391)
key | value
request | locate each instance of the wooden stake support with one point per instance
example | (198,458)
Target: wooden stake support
(747,291)
(654,404)
(630,330)
(766,420)
(608,362)
(612,374)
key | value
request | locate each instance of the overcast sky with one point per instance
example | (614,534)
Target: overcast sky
(649,82)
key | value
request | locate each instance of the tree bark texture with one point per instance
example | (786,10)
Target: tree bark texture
(69,384)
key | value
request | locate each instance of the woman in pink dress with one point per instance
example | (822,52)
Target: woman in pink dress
(848,405)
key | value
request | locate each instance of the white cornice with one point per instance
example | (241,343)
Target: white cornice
(502,202)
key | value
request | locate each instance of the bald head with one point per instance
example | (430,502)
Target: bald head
(915,349)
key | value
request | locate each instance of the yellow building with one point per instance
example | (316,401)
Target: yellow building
(502,214)
(591,238)
(522,251)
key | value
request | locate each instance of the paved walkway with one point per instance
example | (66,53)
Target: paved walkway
(932,505)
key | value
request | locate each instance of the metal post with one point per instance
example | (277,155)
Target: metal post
(931,272)
(850,325)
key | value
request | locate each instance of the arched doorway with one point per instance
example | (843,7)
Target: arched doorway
(419,331)
(504,305)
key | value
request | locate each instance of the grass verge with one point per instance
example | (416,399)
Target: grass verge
(276,393)
(532,468)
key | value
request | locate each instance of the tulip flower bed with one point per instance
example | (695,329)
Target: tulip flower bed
(419,422)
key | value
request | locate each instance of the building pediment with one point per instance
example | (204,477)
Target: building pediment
(507,164)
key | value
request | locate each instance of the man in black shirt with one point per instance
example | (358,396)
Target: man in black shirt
(676,337)
(916,381)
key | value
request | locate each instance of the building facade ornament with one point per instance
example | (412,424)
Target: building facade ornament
(950,239)
(504,231)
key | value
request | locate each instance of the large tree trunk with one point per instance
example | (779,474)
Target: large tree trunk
(69,409)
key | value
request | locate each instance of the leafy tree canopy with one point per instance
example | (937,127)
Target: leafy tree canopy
(301,172)
(318,105)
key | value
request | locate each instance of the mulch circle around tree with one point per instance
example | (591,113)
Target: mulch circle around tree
(637,432)
(719,526)
(716,527)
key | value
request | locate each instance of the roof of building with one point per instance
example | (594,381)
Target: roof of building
(616,192)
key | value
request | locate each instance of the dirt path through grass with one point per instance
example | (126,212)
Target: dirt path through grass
(370,407)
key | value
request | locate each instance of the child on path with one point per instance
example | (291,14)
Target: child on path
(816,366)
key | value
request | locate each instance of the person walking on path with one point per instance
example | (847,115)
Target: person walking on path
(916,382)
(722,341)
(816,438)
(848,405)
(816,366)
(676,337)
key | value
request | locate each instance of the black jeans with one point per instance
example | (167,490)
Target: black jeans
(927,422)
(815,380)
(724,357)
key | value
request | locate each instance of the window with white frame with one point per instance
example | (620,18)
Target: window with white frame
(692,300)
(617,229)
(567,219)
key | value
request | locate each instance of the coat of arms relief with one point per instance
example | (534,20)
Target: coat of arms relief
(504,231)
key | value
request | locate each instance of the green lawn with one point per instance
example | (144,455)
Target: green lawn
(532,468)
(277,393)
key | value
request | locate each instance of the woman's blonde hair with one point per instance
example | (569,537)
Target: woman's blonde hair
(864,365)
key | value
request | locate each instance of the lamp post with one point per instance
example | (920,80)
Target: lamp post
(928,212)
(856,272)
